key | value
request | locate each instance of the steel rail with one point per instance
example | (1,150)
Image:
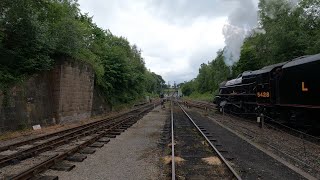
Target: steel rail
(306,138)
(29,173)
(201,105)
(281,127)
(21,143)
(173,169)
(24,154)
(33,171)
(235,174)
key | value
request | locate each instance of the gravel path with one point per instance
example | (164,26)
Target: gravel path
(132,155)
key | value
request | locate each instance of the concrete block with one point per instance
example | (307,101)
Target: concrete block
(114,133)
(87,150)
(97,145)
(76,158)
(104,140)
(62,167)
(47,178)
(110,136)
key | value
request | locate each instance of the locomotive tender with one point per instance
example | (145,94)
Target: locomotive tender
(288,91)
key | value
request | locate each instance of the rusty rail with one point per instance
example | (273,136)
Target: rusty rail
(173,169)
(234,173)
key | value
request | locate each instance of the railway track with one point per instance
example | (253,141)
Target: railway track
(294,146)
(270,123)
(199,104)
(57,134)
(193,154)
(66,144)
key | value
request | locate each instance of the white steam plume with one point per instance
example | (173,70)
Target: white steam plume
(240,23)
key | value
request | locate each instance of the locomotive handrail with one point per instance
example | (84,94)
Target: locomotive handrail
(236,95)
(262,83)
(237,85)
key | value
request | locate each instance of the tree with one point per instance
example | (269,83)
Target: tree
(290,31)
(34,33)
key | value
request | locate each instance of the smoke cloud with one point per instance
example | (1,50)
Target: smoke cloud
(240,23)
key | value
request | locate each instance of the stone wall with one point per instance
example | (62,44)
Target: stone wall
(99,105)
(61,95)
(73,91)
(27,104)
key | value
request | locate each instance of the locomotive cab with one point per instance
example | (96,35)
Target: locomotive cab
(267,84)
(299,84)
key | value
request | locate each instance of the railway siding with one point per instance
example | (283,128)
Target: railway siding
(189,152)
(43,153)
(292,147)
(132,155)
(245,158)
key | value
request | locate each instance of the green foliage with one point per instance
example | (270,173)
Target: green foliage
(24,46)
(208,79)
(290,32)
(248,58)
(34,33)
(285,32)
(188,88)
(154,83)
(202,96)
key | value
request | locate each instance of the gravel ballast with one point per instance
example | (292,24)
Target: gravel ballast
(132,155)
(199,159)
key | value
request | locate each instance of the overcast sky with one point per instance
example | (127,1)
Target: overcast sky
(176,36)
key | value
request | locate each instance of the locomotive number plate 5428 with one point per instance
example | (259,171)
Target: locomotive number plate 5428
(263,94)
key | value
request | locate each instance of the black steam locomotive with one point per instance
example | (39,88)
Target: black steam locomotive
(288,91)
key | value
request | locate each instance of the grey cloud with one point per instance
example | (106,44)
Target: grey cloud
(203,56)
(183,12)
(158,54)
(160,50)
(194,61)
(179,77)
(103,11)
